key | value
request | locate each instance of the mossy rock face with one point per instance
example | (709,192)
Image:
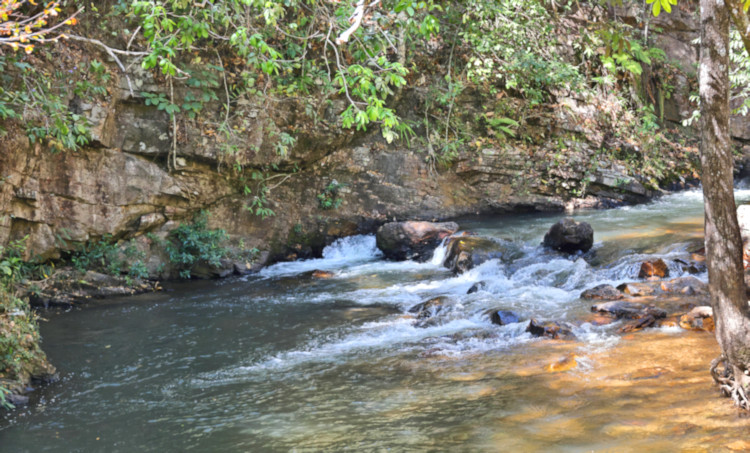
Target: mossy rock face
(468,252)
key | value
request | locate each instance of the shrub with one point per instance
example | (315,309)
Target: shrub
(191,244)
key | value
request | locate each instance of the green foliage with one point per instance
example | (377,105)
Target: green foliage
(191,244)
(658,5)
(739,78)
(501,125)
(739,72)
(285,143)
(4,403)
(14,266)
(258,202)
(110,257)
(37,100)
(161,102)
(328,198)
(626,55)
(287,47)
(511,45)
(11,261)
(97,86)
(20,353)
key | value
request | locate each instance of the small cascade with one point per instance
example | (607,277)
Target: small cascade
(342,253)
(438,256)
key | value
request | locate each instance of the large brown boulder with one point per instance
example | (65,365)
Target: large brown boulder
(570,236)
(412,240)
(467,252)
(655,268)
(699,318)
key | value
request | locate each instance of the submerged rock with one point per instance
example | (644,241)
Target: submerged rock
(467,252)
(699,318)
(693,267)
(638,324)
(629,310)
(428,309)
(637,289)
(689,286)
(322,274)
(412,240)
(669,321)
(68,287)
(570,236)
(502,317)
(599,319)
(602,292)
(551,329)
(565,364)
(17,400)
(655,268)
(476,287)
(207,271)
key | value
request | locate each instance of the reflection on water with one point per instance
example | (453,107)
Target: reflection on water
(283,361)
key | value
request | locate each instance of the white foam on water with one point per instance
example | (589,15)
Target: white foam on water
(391,334)
(438,256)
(342,253)
(538,283)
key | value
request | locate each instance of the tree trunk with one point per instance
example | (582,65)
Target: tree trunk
(723,242)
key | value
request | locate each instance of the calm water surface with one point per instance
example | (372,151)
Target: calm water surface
(283,362)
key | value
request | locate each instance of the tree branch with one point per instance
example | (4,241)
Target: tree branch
(356,20)
(112,53)
(740,20)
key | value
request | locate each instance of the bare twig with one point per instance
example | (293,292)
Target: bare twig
(356,20)
(174,126)
(226,86)
(112,53)
(343,77)
(132,37)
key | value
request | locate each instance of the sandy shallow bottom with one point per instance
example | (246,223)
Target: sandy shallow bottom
(650,392)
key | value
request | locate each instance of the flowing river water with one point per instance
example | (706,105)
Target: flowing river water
(281,361)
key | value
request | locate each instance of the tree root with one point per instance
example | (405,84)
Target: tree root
(729,385)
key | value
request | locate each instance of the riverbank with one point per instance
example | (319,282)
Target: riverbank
(21,357)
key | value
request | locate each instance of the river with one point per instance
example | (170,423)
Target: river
(281,361)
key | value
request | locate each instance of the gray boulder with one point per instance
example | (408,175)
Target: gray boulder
(569,236)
